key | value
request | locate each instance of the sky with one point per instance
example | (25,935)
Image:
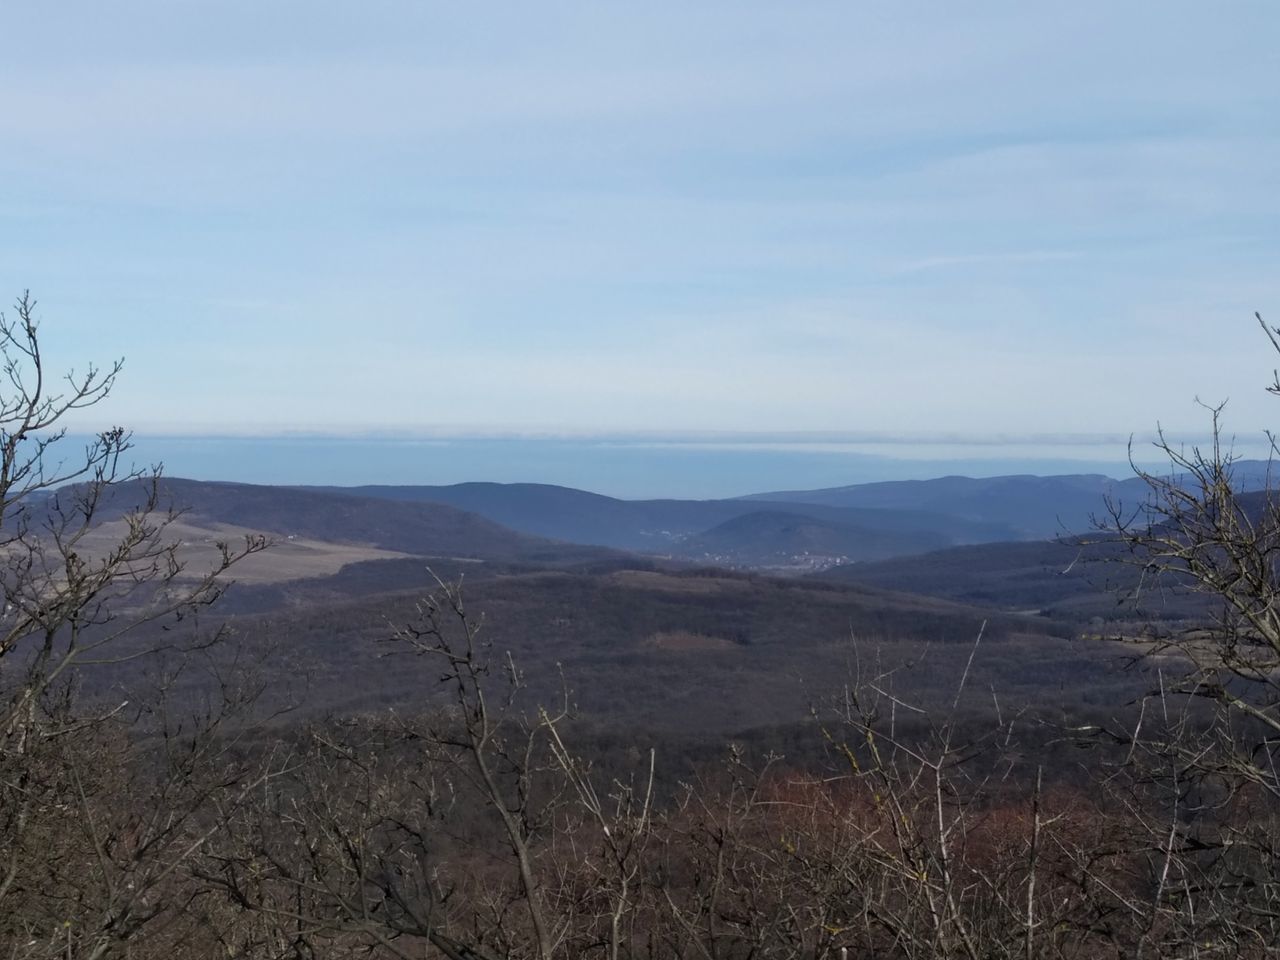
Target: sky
(898,229)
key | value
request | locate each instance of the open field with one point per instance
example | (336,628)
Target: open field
(288,558)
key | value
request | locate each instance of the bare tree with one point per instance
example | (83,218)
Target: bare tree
(1204,531)
(93,825)
(1203,776)
(469,827)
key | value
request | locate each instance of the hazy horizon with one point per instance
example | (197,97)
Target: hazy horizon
(615,466)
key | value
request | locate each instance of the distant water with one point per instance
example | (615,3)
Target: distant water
(622,468)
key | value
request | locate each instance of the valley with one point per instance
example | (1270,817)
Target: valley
(669,639)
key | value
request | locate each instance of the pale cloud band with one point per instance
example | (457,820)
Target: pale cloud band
(876,220)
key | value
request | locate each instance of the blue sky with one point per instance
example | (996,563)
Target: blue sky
(994,224)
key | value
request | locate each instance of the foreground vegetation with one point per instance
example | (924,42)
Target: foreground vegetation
(208,814)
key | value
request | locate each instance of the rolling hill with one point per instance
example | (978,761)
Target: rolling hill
(419,529)
(636,640)
(657,526)
(782,540)
(1061,580)
(692,650)
(1034,508)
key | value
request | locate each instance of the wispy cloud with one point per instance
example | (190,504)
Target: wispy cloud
(895,220)
(984,259)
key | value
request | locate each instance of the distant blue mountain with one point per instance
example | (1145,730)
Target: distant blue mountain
(663,526)
(1034,507)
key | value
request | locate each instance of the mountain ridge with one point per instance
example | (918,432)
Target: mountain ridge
(657,525)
